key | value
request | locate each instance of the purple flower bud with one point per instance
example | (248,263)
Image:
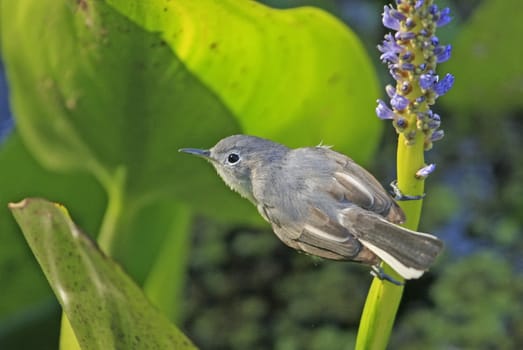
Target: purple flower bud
(442,53)
(388,20)
(427,81)
(434,116)
(383,111)
(437,135)
(444,85)
(425,171)
(397,15)
(395,73)
(444,17)
(407,56)
(408,66)
(391,90)
(390,49)
(401,123)
(390,43)
(389,57)
(399,102)
(434,123)
(405,35)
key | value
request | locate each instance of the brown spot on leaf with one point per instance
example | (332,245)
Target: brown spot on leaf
(71,103)
(82,5)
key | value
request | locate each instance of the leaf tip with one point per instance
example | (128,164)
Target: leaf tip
(19,205)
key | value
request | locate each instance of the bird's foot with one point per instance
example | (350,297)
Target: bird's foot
(377,271)
(399,196)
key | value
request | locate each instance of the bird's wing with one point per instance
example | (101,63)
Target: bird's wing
(354,184)
(320,235)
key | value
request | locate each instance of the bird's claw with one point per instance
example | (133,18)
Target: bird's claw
(399,196)
(377,271)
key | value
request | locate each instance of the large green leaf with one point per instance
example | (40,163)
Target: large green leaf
(298,76)
(93,91)
(106,309)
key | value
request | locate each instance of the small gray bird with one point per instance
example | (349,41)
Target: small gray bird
(322,203)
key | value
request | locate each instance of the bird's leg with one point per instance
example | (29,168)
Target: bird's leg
(399,196)
(377,271)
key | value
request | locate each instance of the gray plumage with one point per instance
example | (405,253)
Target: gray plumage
(321,202)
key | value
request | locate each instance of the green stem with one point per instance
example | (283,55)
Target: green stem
(166,279)
(410,159)
(115,201)
(384,298)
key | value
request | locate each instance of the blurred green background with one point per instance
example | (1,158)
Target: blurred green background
(242,288)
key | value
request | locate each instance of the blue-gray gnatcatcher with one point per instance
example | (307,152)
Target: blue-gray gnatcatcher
(321,202)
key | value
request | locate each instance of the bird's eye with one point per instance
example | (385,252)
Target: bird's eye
(233,158)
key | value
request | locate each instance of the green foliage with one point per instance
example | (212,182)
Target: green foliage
(478,305)
(106,308)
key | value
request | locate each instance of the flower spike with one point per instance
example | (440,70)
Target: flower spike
(412,54)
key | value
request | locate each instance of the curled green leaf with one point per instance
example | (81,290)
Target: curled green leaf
(106,309)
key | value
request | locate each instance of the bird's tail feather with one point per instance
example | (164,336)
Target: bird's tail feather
(408,252)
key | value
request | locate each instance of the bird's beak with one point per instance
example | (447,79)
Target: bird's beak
(205,153)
